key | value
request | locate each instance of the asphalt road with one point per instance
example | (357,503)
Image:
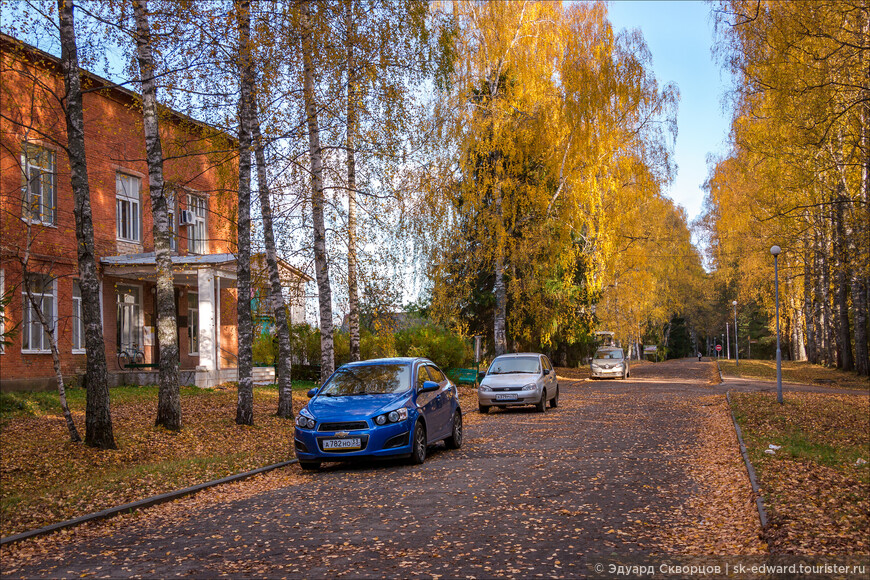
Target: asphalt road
(528,495)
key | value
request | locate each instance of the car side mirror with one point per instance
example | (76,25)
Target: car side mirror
(546,372)
(312,392)
(429,386)
(480,376)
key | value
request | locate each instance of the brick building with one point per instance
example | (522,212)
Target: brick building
(37,229)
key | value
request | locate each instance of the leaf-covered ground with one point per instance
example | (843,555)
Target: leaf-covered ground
(640,467)
(795,372)
(816,486)
(46,479)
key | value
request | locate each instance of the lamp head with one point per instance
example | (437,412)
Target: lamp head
(734,303)
(775,250)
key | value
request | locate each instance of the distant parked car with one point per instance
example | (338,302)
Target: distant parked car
(379,408)
(519,379)
(610,362)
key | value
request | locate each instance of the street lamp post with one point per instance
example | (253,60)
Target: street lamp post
(736,344)
(775,250)
(727,343)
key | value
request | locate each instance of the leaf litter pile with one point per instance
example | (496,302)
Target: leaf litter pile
(811,455)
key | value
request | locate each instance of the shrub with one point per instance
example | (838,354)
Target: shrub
(444,348)
(265,349)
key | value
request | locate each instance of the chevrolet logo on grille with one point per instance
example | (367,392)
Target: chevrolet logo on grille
(342,433)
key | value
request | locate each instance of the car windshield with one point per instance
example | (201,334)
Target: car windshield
(605,354)
(375,379)
(515,364)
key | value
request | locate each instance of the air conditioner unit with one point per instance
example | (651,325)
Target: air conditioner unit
(186,218)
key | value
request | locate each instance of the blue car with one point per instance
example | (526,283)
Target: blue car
(383,408)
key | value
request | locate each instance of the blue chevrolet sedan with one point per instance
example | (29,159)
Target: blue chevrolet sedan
(393,407)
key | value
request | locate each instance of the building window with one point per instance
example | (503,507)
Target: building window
(172,210)
(78,325)
(196,237)
(129,317)
(193,322)
(40,185)
(127,208)
(34,337)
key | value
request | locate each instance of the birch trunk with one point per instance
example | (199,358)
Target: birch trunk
(168,396)
(51,330)
(812,350)
(830,355)
(282,328)
(841,287)
(860,280)
(245,403)
(98,418)
(352,126)
(859,305)
(500,306)
(321,264)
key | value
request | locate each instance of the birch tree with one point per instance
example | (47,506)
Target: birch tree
(98,418)
(245,405)
(321,260)
(168,398)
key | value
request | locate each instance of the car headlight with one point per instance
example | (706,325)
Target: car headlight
(530,387)
(305,420)
(396,416)
(484,388)
(594,366)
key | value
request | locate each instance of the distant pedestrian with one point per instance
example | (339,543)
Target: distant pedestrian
(699,357)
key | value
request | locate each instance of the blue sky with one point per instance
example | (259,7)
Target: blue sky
(680,35)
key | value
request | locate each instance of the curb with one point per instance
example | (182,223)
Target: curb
(759,501)
(721,380)
(141,504)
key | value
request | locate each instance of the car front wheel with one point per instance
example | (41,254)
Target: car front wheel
(418,449)
(309,465)
(542,404)
(455,439)
(482,409)
(554,402)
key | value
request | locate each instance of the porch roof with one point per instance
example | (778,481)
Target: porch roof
(150,259)
(144,266)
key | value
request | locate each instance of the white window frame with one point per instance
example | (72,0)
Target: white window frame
(45,175)
(190,349)
(26,326)
(78,324)
(126,197)
(197,233)
(140,319)
(172,213)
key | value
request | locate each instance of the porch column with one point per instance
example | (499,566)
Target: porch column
(206,371)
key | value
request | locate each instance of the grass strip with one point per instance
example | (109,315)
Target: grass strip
(810,455)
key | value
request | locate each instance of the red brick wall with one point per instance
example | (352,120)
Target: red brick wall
(114,142)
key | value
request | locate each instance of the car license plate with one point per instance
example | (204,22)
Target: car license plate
(353,443)
(510,397)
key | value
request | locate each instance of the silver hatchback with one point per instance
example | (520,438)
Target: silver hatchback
(610,362)
(519,379)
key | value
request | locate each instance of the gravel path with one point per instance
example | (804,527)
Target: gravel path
(620,467)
